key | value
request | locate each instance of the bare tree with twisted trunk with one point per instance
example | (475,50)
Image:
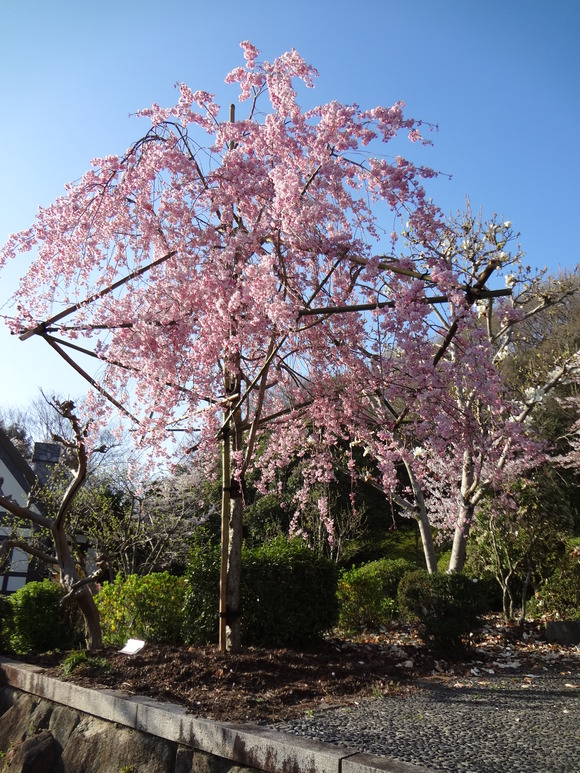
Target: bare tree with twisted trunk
(57,553)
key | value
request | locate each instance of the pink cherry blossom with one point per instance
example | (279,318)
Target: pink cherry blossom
(222,237)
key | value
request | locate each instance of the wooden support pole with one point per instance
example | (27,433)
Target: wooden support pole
(226,492)
(225,534)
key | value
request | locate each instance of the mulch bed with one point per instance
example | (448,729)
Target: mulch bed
(270,685)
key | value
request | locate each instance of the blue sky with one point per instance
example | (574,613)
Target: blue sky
(501,79)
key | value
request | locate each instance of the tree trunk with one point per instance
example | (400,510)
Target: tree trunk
(225,537)
(427,541)
(465,518)
(508,601)
(233,616)
(422,519)
(86,603)
(92,619)
(233,639)
(525,587)
(69,576)
(459,548)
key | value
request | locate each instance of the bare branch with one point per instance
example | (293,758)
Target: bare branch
(94,577)
(390,304)
(9,544)
(66,409)
(26,513)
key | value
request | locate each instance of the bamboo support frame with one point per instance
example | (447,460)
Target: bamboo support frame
(225,534)
(105,291)
(225,514)
(328,310)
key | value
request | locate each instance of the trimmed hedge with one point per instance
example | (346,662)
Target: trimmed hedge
(288,594)
(39,621)
(367,595)
(447,606)
(148,607)
(202,593)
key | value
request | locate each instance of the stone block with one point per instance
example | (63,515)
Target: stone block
(7,697)
(110,704)
(62,723)
(258,747)
(40,717)
(38,754)
(96,746)
(370,763)
(183,760)
(107,704)
(563,631)
(166,720)
(16,720)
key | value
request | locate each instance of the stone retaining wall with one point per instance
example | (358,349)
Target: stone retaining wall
(50,726)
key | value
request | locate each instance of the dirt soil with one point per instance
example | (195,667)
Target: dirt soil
(269,685)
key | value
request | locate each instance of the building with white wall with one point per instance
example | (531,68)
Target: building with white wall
(19,479)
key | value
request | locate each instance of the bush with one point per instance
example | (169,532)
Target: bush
(413,592)
(477,568)
(444,561)
(147,608)
(288,594)
(559,595)
(40,622)
(202,593)
(447,606)
(367,595)
(6,622)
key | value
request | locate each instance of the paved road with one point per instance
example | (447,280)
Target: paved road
(483,724)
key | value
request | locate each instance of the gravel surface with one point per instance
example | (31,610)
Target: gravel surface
(499,724)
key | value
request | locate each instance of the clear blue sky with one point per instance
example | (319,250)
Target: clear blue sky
(501,78)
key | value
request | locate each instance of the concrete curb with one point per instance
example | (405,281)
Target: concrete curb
(246,744)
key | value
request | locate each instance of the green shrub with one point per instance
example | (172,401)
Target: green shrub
(447,606)
(288,594)
(477,568)
(444,561)
(40,622)
(559,595)
(147,608)
(414,589)
(6,622)
(202,593)
(367,594)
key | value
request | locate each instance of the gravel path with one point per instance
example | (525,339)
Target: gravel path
(515,724)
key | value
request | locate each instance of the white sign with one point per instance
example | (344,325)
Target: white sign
(132,646)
